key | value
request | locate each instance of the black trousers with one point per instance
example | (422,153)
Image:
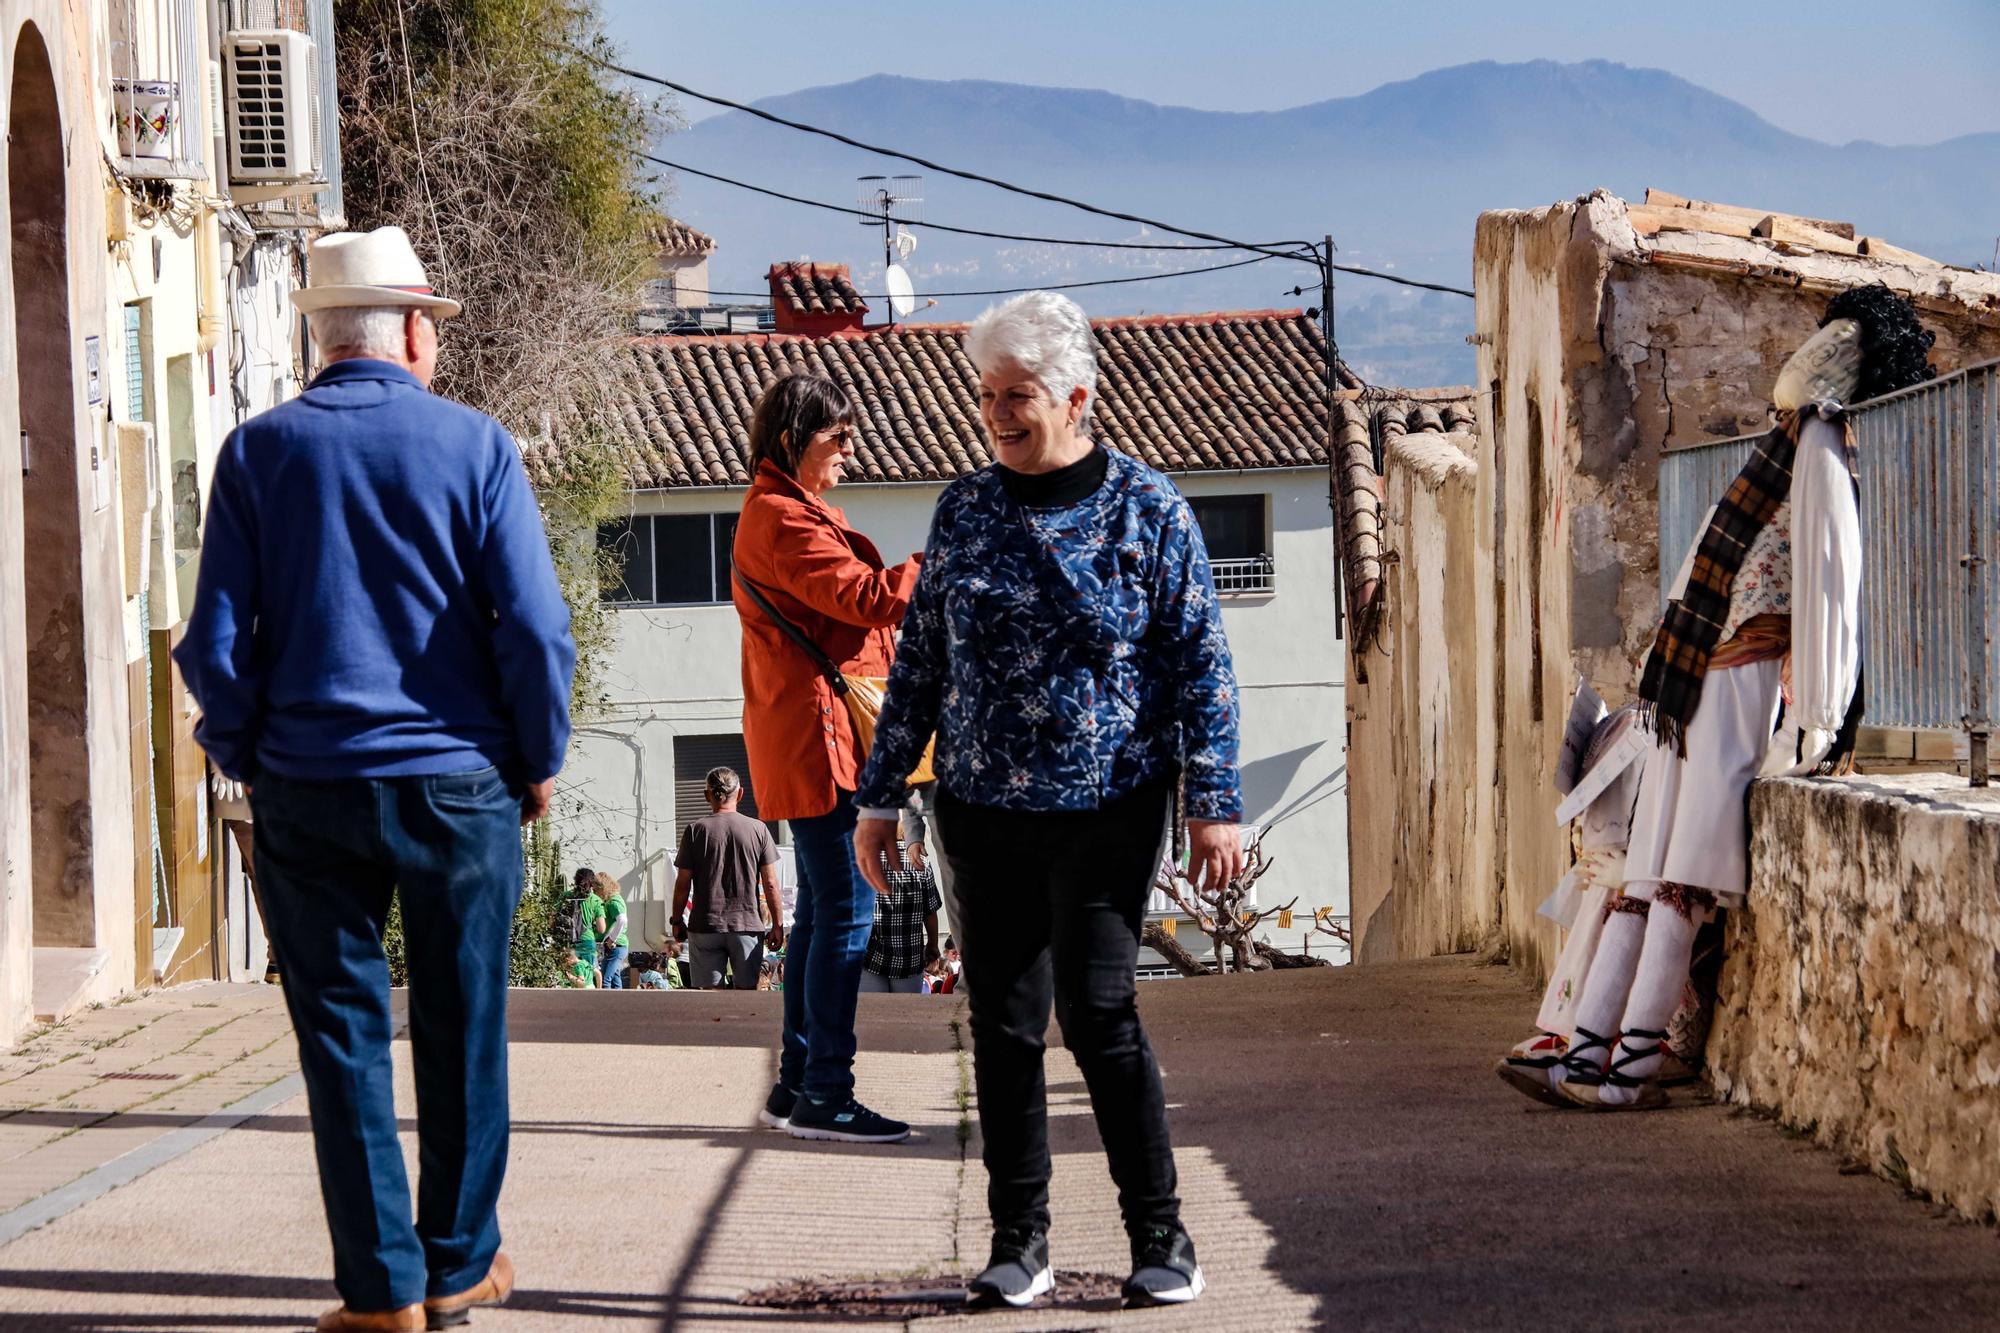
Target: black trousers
(1054,902)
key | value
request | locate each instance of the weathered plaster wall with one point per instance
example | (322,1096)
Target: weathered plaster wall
(74,41)
(1860,997)
(1423,854)
(1541,278)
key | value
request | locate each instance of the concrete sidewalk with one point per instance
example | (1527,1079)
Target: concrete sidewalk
(1346,1158)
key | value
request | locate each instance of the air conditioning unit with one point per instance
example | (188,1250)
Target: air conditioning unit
(271,91)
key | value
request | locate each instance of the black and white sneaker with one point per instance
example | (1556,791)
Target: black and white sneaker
(777,1109)
(1017,1272)
(1163,1269)
(844,1122)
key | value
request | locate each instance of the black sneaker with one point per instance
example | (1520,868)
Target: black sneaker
(777,1112)
(1017,1272)
(844,1122)
(1163,1269)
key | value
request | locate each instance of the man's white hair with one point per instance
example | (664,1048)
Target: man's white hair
(1045,334)
(360,328)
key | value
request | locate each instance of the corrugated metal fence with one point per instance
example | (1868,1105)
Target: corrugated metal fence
(1930,513)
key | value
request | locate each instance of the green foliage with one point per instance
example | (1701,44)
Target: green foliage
(392,943)
(533,958)
(588,491)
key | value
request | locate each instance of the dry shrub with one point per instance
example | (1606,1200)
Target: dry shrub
(512,163)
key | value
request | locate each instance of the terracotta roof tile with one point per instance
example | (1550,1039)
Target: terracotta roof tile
(816,289)
(1185,393)
(675,239)
(1363,430)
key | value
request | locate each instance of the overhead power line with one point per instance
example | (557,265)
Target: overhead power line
(1057,286)
(934,226)
(1395,278)
(928,165)
(1039,240)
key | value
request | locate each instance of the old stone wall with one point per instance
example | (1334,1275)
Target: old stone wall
(1420,879)
(1861,992)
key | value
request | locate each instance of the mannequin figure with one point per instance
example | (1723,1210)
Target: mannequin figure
(1763,626)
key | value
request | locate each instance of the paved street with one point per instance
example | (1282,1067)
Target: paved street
(1373,1175)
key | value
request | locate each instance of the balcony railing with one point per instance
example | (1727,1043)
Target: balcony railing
(159,88)
(1930,510)
(1252,577)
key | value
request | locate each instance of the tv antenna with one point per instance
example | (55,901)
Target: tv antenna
(894,201)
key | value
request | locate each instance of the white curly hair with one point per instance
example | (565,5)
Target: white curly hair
(1045,334)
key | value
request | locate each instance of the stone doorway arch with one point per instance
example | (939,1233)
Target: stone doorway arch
(45,562)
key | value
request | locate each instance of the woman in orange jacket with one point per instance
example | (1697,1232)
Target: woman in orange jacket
(813,596)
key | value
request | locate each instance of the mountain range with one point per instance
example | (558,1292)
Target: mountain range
(1396,175)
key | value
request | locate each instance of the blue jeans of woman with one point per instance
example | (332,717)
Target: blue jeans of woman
(824,955)
(613,963)
(329,855)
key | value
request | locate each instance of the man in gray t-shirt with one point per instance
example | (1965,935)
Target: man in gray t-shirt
(728,865)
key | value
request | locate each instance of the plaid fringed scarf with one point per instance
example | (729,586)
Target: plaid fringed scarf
(1670,690)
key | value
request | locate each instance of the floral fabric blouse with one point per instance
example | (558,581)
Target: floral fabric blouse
(1065,657)
(1764,584)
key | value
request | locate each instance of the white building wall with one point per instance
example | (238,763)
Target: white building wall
(675,671)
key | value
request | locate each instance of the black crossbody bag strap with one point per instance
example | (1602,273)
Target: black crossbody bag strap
(827,666)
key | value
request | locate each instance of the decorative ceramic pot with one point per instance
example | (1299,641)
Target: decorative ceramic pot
(146,113)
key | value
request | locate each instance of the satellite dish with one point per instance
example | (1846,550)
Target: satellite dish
(902,295)
(906,242)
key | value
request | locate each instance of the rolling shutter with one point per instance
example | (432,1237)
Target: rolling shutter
(694,756)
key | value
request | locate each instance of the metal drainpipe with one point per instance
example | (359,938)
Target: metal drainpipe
(1982,417)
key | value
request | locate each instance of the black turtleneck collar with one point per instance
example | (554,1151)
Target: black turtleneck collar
(1061,488)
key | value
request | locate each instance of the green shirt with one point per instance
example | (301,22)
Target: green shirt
(582,975)
(591,913)
(613,910)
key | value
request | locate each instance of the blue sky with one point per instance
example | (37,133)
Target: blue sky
(1931,71)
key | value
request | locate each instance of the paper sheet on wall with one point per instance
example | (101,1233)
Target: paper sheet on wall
(1586,710)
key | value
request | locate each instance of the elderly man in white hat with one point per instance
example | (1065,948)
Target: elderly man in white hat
(382,656)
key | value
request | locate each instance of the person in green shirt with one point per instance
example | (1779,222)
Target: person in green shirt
(611,947)
(576,973)
(587,910)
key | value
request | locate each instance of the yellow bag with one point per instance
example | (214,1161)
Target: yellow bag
(864,705)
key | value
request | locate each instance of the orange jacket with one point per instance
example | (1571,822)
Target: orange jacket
(829,580)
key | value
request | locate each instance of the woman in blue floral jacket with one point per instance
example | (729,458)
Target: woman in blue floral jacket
(1064,644)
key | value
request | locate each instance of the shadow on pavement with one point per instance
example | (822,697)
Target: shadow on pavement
(1407,1187)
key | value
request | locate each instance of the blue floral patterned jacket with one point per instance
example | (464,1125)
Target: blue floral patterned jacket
(1065,657)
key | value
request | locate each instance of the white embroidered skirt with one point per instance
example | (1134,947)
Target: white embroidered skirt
(1692,824)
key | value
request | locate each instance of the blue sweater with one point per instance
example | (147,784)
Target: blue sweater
(1065,657)
(376,596)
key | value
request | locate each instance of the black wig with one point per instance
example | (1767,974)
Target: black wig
(1895,348)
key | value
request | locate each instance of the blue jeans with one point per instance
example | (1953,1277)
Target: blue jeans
(824,955)
(328,856)
(613,963)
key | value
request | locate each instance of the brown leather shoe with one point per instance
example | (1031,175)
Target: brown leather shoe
(498,1285)
(340,1319)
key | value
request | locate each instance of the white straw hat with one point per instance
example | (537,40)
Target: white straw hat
(355,268)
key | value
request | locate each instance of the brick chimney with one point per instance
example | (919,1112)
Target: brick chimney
(814,299)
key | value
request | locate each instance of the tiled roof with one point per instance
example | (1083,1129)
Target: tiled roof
(676,240)
(1185,393)
(816,289)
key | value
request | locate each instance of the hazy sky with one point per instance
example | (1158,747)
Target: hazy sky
(1916,71)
